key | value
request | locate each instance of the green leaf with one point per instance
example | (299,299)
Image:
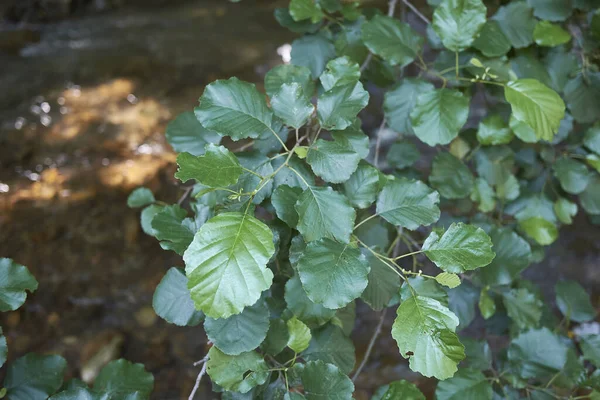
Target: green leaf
(186,134)
(340,71)
(277,337)
(323,381)
(80,393)
(402,389)
(590,346)
(537,354)
(591,140)
(283,199)
(550,35)
(572,175)
(172,301)
(565,210)
(226,264)
(248,182)
(479,354)
(574,302)
(461,248)
(236,373)
(173,229)
(536,105)
(299,335)
(337,108)
(218,167)
(334,161)
(399,102)
(362,187)
(539,229)
(467,384)
(590,197)
(448,279)
(493,131)
(424,331)
(355,137)
(462,301)
(512,257)
(34,376)
(424,287)
(301,306)
(483,194)
(324,213)
(140,197)
(517,23)
(582,95)
(291,105)
(403,154)
(306,9)
(313,52)
(282,15)
(332,273)
(487,305)
(392,40)
(330,345)
(491,41)
(552,10)
(451,177)
(523,308)
(409,204)
(438,115)
(383,284)
(15,280)
(241,332)
(288,73)
(457,22)
(146,217)
(234,108)
(121,377)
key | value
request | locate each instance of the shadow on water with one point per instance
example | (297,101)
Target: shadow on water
(82,115)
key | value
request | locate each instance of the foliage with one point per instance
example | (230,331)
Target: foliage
(284,239)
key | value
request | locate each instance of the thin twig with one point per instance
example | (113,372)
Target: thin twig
(199,378)
(417,12)
(367,62)
(378,143)
(188,190)
(392,7)
(370,347)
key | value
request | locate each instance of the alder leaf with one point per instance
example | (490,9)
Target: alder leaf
(186,134)
(15,280)
(226,264)
(338,107)
(291,105)
(457,22)
(34,376)
(451,177)
(334,161)
(299,335)
(172,301)
(236,373)
(340,71)
(122,378)
(392,40)
(218,167)
(325,381)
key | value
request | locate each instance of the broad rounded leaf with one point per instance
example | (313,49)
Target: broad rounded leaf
(299,335)
(447,279)
(537,354)
(457,22)
(487,305)
(467,384)
(590,347)
(590,197)
(236,373)
(491,41)
(550,35)
(81,393)
(461,248)
(34,377)
(313,52)
(340,71)
(517,23)
(331,345)
(324,213)
(399,390)
(355,137)
(121,377)
(451,177)
(582,94)
(572,175)
(217,167)
(226,264)
(241,332)
(15,280)
(392,40)
(172,301)
(539,229)
(362,187)
(234,108)
(288,73)
(536,105)
(306,9)
(591,140)
(301,306)
(403,154)
(493,130)
(173,229)
(146,217)
(484,195)
(283,199)
(574,302)
(323,381)
(424,287)
(424,331)
(332,273)
(338,107)
(399,102)
(565,210)
(552,10)
(523,308)
(334,161)
(438,115)
(409,204)
(292,105)
(186,134)
(512,257)
(383,284)
(140,197)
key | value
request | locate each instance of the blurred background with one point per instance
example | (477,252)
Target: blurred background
(86,90)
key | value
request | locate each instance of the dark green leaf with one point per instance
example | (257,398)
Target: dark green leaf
(392,40)
(15,280)
(334,161)
(397,390)
(304,308)
(173,229)
(120,378)
(590,197)
(424,287)
(572,175)
(491,41)
(574,302)
(517,23)
(140,197)
(330,345)
(512,257)
(362,187)
(537,354)
(337,108)
(288,73)
(403,154)
(306,9)
(340,71)
(493,130)
(383,284)
(457,22)
(399,102)
(552,10)
(582,95)
(451,177)
(323,381)
(467,384)
(313,52)
(172,301)
(283,199)
(291,105)
(34,377)
(236,373)
(484,195)
(355,137)
(590,346)
(523,308)
(591,139)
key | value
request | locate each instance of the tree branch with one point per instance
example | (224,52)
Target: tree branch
(370,347)
(199,378)
(417,12)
